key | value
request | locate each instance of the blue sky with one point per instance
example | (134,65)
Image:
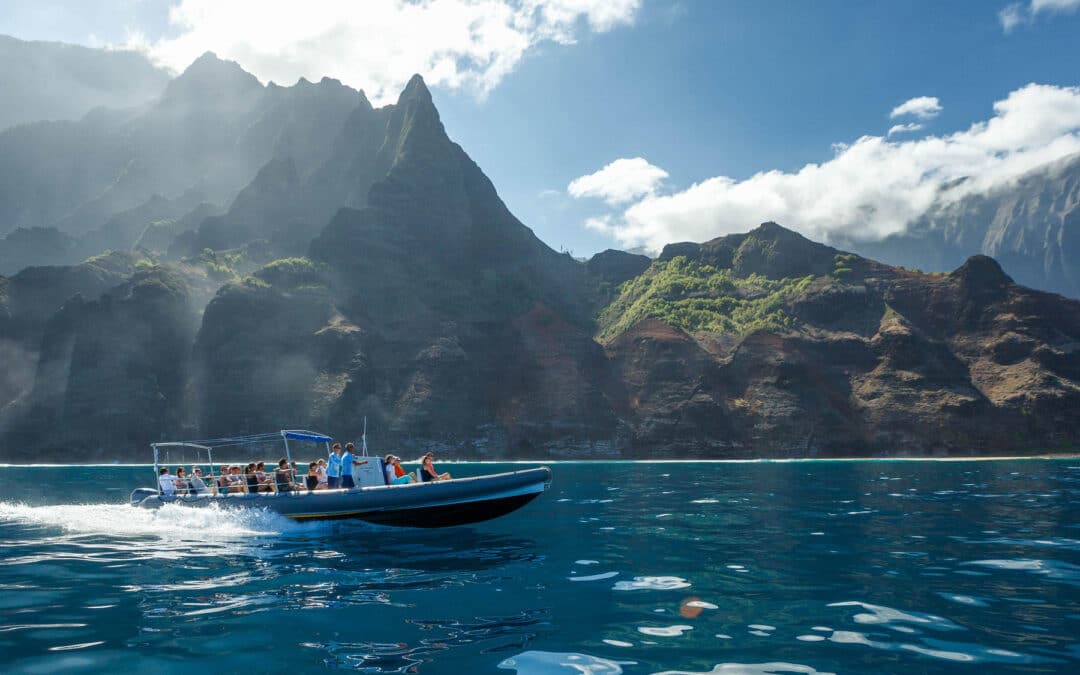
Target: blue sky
(708,93)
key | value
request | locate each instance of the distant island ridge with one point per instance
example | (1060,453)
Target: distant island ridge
(235,258)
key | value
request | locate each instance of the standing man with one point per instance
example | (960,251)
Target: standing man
(348,461)
(333,468)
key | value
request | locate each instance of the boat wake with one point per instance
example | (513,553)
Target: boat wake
(168,522)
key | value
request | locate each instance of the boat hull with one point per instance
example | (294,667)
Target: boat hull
(439,504)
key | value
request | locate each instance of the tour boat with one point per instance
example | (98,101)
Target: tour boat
(442,503)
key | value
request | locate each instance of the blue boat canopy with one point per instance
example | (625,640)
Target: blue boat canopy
(306,436)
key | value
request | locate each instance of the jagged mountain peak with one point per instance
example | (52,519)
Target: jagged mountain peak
(210,77)
(416,90)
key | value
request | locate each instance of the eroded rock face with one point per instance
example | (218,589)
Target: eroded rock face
(888,363)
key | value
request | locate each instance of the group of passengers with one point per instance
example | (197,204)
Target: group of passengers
(324,474)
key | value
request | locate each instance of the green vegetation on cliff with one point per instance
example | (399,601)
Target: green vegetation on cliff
(695,296)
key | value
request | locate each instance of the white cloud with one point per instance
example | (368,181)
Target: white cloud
(1015,14)
(377,45)
(1054,6)
(904,128)
(920,107)
(871,187)
(622,181)
(1012,16)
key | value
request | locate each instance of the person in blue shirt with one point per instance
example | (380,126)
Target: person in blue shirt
(348,461)
(333,468)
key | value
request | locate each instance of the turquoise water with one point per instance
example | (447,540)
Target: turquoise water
(846,567)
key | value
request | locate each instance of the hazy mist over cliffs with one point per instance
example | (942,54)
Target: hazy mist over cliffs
(55,81)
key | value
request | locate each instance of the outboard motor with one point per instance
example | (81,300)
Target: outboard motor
(138,495)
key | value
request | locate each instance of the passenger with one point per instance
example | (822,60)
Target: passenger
(196,485)
(395,475)
(222,483)
(312,478)
(428,472)
(251,479)
(323,484)
(166,482)
(266,484)
(348,462)
(388,469)
(236,481)
(333,468)
(283,477)
(181,481)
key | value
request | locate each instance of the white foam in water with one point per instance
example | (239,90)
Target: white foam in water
(167,522)
(664,631)
(652,584)
(705,501)
(558,663)
(702,604)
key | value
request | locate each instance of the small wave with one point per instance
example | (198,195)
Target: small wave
(955,652)
(553,663)
(170,521)
(664,631)
(772,668)
(652,584)
(594,577)
(1055,570)
(889,617)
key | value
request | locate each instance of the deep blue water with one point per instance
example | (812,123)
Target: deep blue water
(846,567)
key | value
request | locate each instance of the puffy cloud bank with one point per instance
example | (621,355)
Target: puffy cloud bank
(869,189)
(622,181)
(377,44)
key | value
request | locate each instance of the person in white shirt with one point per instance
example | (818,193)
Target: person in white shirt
(321,471)
(196,484)
(166,482)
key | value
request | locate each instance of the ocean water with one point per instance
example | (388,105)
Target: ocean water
(804,567)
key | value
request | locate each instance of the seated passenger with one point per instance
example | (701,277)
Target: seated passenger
(181,481)
(251,479)
(222,481)
(265,482)
(428,472)
(395,475)
(312,478)
(196,485)
(283,477)
(236,483)
(166,482)
(323,483)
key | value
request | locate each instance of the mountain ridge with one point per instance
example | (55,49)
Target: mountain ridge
(358,263)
